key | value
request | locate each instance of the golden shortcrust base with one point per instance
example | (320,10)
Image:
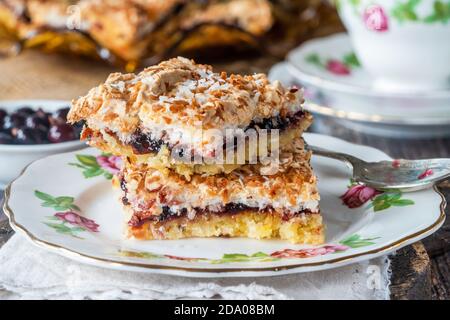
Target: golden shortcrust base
(304,229)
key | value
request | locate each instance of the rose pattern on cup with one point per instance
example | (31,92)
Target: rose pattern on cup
(389,37)
(375,18)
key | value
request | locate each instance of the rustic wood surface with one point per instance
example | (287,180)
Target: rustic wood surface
(412,270)
(412,273)
(420,271)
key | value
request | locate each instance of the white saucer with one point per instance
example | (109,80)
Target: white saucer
(350,95)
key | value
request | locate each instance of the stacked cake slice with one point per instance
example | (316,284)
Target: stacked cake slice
(206,154)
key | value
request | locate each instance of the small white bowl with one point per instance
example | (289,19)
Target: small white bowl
(14,158)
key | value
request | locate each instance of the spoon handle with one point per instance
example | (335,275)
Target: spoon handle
(442,163)
(348,159)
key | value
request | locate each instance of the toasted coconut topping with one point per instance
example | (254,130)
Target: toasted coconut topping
(181,94)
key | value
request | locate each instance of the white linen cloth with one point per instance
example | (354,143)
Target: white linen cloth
(29,272)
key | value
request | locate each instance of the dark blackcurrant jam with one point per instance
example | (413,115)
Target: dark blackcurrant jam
(231,208)
(277,122)
(29,126)
(142,143)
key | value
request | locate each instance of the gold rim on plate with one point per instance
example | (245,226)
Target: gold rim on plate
(72,253)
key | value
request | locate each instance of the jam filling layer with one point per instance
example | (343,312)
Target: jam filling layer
(140,217)
(142,143)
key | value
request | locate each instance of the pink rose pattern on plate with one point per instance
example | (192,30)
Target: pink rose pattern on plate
(351,242)
(357,195)
(105,165)
(110,163)
(306,253)
(66,220)
(77,220)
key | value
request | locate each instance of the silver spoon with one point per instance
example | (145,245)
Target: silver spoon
(403,175)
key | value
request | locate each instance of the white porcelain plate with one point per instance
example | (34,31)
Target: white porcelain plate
(65,204)
(338,86)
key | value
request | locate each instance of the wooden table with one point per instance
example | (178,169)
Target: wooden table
(420,271)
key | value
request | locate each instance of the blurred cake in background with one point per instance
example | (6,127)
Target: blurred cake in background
(130,33)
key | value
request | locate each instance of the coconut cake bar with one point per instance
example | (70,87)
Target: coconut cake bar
(169,108)
(149,119)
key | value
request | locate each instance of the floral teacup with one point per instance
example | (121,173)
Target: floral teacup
(404,44)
